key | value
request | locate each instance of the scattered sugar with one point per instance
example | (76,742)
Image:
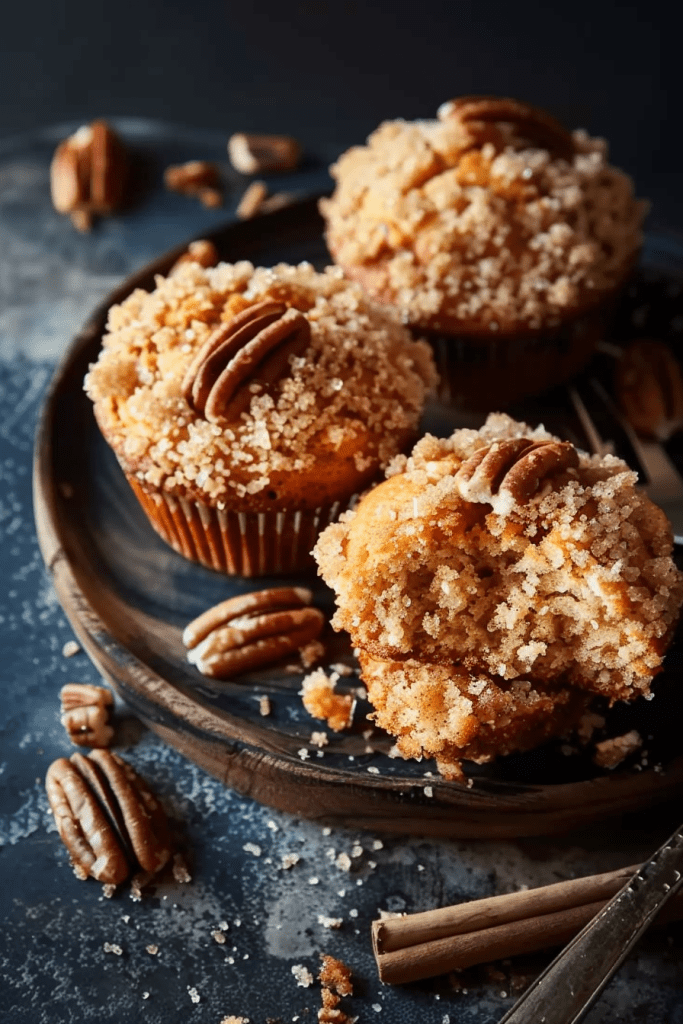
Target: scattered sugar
(303,976)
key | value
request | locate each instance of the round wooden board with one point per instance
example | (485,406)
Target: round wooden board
(128,597)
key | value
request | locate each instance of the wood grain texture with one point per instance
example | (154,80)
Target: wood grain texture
(128,597)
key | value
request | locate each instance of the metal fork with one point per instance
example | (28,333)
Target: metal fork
(567,989)
(662,481)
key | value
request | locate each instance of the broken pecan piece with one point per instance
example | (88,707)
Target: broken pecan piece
(514,467)
(259,154)
(106,816)
(197,178)
(88,174)
(253,348)
(480,114)
(86,711)
(649,388)
(251,631)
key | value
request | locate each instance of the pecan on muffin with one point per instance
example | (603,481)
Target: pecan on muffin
(494,231)
(494,584)
(248,407)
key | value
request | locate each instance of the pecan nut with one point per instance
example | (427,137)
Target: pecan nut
(86,711)
(253,348)
(649,389)
(88,174)
(259,154)
(201,251)
(252,631)
(196,178)
(515,468)
(252,200)
(106,816)
(479,115)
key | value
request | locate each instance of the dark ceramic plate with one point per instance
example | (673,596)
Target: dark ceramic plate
(128,596)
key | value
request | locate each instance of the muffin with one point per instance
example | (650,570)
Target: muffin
(495,232)
(497,582)
(248,407)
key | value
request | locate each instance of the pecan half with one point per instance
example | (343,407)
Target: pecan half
(253,348)
(251,631)
(88,174)
(649,389)
(514,467)
(86,711)
(196,178)
(106,816)
(201,251)
(258,154)
(479,114)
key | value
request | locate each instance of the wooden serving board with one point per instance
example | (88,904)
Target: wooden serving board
(128,597)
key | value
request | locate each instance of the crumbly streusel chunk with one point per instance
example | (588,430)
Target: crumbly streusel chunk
(492,238)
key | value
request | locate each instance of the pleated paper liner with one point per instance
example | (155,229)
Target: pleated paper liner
(238,543)
(486,375)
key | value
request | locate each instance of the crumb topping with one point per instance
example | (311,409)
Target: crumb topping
(574,587)
(355,395)
(488,237)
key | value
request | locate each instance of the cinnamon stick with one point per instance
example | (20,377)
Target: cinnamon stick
(449,938)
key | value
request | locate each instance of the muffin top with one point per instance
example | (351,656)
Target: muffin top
(512,554)
(490,219)
(342,402)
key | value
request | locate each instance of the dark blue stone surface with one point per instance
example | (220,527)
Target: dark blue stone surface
(67,953)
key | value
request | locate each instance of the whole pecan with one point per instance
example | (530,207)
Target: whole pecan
(514,467)
(480,114)
(89,174)
(106,816)
(252,631)
(254,347)
(649,389)
(85,714)
(259,154)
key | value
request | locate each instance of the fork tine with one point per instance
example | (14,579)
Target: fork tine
(660,477)
(597,412)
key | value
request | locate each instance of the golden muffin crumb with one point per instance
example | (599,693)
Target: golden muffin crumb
(470,614)
(321,701)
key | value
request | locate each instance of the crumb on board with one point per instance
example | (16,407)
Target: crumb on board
(611,752)
(322,701)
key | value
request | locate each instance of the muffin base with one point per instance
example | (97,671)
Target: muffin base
(238,543)
(478,374)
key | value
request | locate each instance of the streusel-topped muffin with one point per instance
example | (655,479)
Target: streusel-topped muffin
(494,229)
(494,582)
(248,406)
